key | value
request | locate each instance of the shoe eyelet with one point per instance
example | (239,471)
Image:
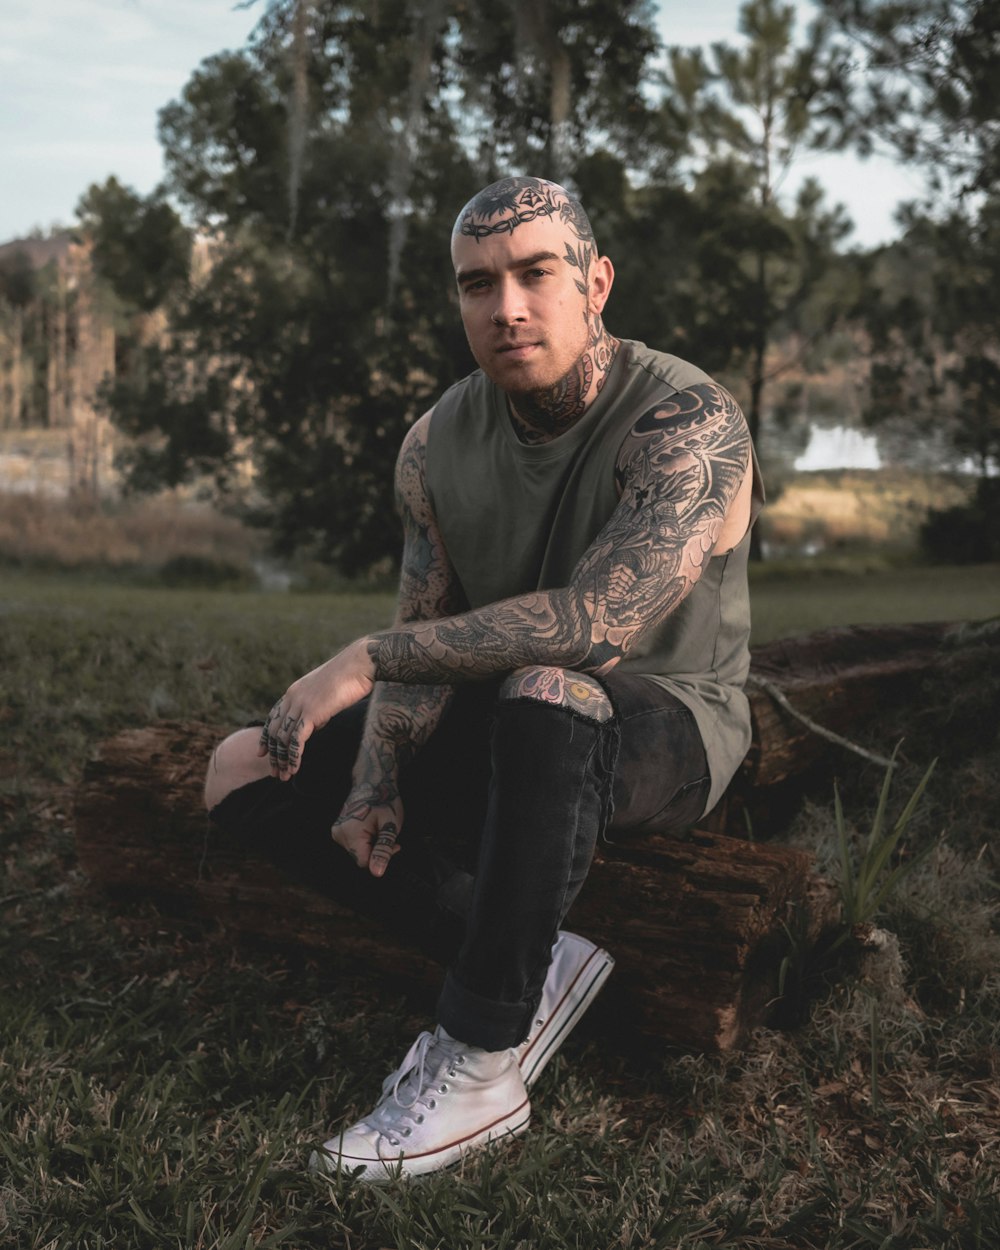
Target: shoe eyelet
(443,1088)
(407,1132)
(420,1118)
(432,1104)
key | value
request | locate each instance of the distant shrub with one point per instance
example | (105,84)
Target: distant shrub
(967,534)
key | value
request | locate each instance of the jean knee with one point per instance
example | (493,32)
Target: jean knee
(559,687)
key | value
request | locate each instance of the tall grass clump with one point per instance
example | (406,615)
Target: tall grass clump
(866,886)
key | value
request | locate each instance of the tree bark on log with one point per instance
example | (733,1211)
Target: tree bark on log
(698,926)
(846,679)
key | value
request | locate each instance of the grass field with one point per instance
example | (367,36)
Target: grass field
(163,1087)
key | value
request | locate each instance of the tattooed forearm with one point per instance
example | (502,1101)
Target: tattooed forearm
(400,720)
(680,471)
(402,717)
(542,628)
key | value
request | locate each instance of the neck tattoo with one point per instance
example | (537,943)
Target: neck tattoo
(542,415)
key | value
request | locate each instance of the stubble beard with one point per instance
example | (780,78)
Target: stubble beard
(542,413)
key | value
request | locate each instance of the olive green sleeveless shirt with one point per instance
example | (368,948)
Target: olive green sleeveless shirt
(518,518)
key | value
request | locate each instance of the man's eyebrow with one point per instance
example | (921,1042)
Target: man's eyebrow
(522,262)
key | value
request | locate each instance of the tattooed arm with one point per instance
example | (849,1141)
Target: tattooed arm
(400,717)
(684,478)
(680,471)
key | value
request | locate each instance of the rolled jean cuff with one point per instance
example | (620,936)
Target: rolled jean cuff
(479,1021)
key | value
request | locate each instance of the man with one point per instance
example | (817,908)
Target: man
(567,662)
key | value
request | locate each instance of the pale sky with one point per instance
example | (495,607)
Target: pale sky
(81,82)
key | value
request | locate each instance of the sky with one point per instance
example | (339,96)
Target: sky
(81,83)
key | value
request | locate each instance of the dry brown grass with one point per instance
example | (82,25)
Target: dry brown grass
(147,533)
(856,508)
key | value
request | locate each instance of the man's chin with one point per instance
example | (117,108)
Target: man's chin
(520,379)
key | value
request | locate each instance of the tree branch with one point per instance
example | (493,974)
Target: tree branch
(762,683)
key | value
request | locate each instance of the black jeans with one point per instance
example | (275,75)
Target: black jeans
(502,811)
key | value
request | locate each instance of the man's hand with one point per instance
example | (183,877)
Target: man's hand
(310,702)
(367,828)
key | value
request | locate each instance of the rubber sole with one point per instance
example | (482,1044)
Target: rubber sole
(583,988)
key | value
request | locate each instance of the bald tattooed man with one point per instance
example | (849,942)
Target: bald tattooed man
(567,663)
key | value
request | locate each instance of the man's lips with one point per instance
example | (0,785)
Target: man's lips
(516,351)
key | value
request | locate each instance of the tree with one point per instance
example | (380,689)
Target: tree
(324,164)
(756,267)
(18,285)
(931,317)
(140,247)
(928,83)
(931,87)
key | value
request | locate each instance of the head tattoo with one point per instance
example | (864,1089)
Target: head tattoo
(540,413)
(503,206)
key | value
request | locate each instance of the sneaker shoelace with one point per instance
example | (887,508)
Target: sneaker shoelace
(416,1084)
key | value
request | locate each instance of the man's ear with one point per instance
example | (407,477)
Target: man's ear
(602,276)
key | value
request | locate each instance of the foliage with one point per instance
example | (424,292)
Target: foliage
(929,83)
(324,164)
(965,534)
(31,300)
(328,178)
(926,82)
(866,888)
(140,247)
(756,271)
(934,350)
(18,281)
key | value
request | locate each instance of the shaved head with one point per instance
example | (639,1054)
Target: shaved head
(532,287)
(503,206)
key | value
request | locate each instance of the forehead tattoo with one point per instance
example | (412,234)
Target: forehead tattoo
(512,202)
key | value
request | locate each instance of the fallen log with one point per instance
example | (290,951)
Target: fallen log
(698,926)
(846,680)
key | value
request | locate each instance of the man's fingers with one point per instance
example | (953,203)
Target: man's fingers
(383,849)
(282,739)
(264,745)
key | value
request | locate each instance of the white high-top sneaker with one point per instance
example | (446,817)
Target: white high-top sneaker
(445,1099)
(577,972)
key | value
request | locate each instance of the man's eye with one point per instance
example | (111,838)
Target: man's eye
(536,273)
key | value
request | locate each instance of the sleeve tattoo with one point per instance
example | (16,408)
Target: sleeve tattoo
(401,717)
(678,471)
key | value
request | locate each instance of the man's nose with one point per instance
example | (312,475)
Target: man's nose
(510,305)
